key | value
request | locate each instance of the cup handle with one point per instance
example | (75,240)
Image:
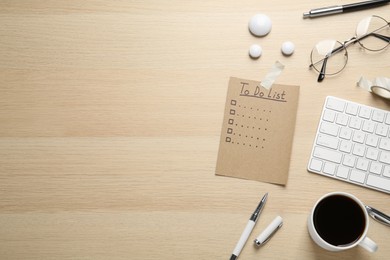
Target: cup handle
(369,245)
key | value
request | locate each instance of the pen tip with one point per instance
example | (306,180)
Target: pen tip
(257,242)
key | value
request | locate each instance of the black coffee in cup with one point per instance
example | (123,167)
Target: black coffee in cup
(339,220)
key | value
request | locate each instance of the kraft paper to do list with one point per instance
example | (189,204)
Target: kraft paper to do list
(257,131)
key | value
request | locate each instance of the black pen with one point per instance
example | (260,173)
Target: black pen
(337,9)
(248,229)
(378,216)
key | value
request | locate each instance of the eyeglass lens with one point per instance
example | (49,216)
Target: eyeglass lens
(333,53)
(375,32)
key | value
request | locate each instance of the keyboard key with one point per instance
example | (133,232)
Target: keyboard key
(352,109)
(384,144)
(376,168)
(382,129)
(384,157)
(362,164)
(365,112)
(386,171)
(372,154)
(327,141)
(368,126)
(342,119)
(387,118)
(378,116)
(342,172)
(357,176)
(329,168)
(378,182)
(349,160)
(355,123)
(372,140)
(327,154)
(358,137)
(345,146)
(335,104)
(328,128)
(345,133)
(315,165)
(329,115)
(359,150)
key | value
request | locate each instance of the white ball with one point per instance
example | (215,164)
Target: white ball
(288,48)
(255,51)
(260,25)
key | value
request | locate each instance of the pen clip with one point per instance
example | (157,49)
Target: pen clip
(258,243)
(378,216)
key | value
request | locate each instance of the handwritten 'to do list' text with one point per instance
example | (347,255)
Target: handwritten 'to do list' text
(260,92)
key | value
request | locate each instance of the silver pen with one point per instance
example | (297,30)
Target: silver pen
(337,9)
(248,229)
(378,216)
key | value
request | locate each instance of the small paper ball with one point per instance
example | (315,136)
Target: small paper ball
(260,25)
(288,48)
(255,51)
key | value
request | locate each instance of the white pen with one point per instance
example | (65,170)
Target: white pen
(269,231)
(248,229)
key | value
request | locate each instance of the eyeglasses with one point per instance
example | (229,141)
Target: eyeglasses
(329,57)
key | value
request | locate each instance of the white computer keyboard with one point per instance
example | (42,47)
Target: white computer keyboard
(352,144)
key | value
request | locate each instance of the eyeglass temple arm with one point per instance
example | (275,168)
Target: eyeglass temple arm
(373,33)
(321,76)
(382,37)
(377,35)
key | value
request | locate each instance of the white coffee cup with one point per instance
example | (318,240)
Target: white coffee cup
(339,221)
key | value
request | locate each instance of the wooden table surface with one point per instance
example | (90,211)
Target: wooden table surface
(111,113)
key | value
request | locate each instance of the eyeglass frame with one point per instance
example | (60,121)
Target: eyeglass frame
(345,44)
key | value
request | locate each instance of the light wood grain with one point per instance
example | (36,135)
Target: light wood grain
(111,113)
